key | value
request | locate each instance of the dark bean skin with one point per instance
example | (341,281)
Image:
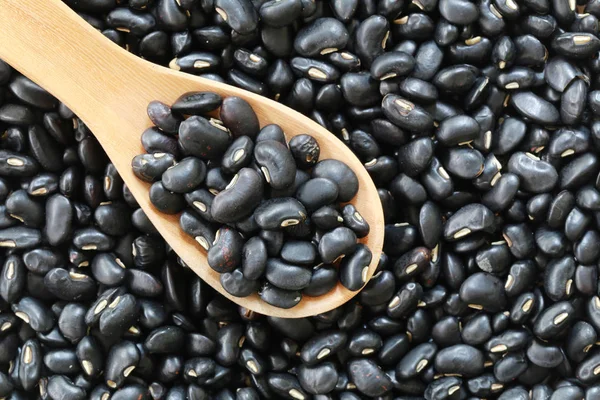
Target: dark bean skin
(226,253)
(339,242)
(150,167)
(12,279)
(239,118)
(197,103)
(406,114)
(185,176)
(483,290)
(244,193)
(203,138)
(287,276)
(276,163)
(281,212)
(392,64)
(353,269)
(164,200)
(29,369)
(279,297)
(323,36)
(415,361)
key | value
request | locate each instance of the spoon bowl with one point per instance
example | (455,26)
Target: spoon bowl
(109,89)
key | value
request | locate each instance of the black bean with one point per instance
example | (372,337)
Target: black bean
(34,313)
(118,315)
(12,279)
(70,285)
(368,377)
(535,108)
(463,163)
(553,320)
(279,297)
(238,155)
(483,291)
(323,36)
(197,103)
(287,276)
(276,162)
(164,200)
(415,361)
(575,173)
(225,254)
(576,44)
(371,38)
(29,368)
(150,167)
(239,199)
(122,359)
(207,139)
(323,279)
(406,114)
(536,176)
(184,176)
(239,117)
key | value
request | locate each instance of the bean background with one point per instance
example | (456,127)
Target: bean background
(477,122)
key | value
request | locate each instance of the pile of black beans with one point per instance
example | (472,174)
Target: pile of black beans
(478,122)
(269,216)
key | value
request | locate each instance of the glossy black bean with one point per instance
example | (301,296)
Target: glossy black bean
(309,68)
(573,102)
(371,38)
(164,200)
(184,176)
(279,297)
(225,255)
(338,243)
(119,315)
(483,291)
(34,313)
(323,36)
(553,320)
(415,361)
(239,117)
(287,276)
(276,163)
(535,108)
(457,130)
(197,228)
(368,377)
(121,360)
(150,167)
(70,285)
(154,141)
(12,279)
(530,51)
(30,364)
(239,199)
(578,171)
(273,241)
(323,279)
(197,103)
(456,79)
(240,15)
(406,114)
(279,14)
(576,44)
(463,162)
(536,176)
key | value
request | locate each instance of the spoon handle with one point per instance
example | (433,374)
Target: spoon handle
(37,38)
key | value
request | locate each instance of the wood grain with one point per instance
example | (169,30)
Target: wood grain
(109,89)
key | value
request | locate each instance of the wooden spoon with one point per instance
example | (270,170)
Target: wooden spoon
(109,89)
